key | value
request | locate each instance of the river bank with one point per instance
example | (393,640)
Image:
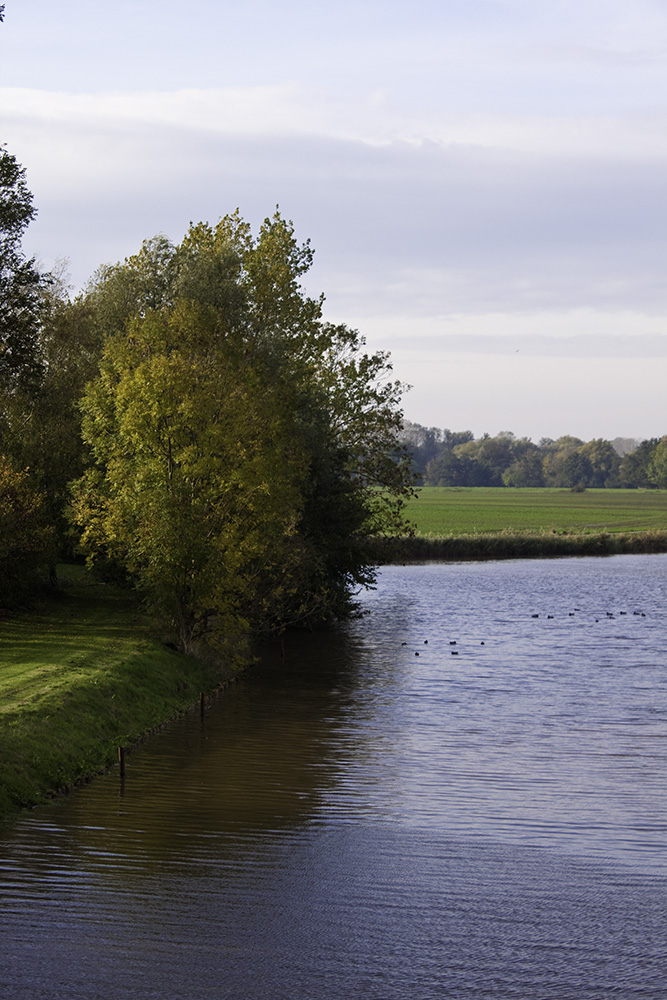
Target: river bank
(82,674)
(516,545)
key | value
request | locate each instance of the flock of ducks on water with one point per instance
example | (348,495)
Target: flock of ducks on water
(608,614)
(452,642)
(571,614)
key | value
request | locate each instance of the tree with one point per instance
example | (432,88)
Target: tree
(577,471)
(195,485)
(634,467)
(243,450)
(423,444)
(426,444)
(604,461)
(623,446)
(359,474)
(452,469)
(119,292)
(25,536)
(20,285)
(555,459)
(526,471)
(23,293)
(657,469)
(491,456)
(45,422)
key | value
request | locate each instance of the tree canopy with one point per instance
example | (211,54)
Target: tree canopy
(25,533)
(20,284)
(244,451)
(447,458)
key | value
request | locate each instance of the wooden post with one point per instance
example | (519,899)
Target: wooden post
(201,704)
(121,761)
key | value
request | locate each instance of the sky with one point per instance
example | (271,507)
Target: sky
(484,182)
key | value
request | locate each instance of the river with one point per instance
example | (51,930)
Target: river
(460,795)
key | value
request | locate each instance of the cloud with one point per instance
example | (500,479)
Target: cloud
(438,227)
(568,343)
(374,116)
(483,180)
(534,397)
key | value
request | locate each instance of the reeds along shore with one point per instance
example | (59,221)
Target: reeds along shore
(515,545)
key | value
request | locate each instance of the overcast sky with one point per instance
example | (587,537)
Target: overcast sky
(484,181)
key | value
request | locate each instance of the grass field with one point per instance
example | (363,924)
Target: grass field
(79,677)
(444,511)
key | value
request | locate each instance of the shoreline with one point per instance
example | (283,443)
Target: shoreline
(83,675)
(516,545)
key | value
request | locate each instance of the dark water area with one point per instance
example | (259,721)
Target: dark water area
(449,798)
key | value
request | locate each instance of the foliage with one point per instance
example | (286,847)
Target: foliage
(604,463)
(444,458)
(243,450)
(25,536)
(657,469)
(44,423)
(193,493)
(46,356)
(634,468)
(20,285)
(426,444)
(526,471)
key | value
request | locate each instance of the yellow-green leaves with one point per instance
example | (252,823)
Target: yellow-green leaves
(200,483)
(243,449)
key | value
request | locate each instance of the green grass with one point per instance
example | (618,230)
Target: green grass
(442,511)
(80,676)
(457,524)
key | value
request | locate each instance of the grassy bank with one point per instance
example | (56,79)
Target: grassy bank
(457,524)
(80,676)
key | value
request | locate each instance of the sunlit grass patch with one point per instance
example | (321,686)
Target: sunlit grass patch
(442,511)
(79,676)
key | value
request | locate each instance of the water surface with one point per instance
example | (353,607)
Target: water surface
(451,797)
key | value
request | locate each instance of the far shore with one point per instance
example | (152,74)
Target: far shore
(516,545)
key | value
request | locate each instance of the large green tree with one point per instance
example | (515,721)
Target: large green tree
(244,450)
(44,421)
(20,285)
(195,484)
(25,538)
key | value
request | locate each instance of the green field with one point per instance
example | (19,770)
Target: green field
(450,511)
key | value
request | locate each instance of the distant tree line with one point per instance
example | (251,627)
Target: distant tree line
(193,425)
(457,458)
